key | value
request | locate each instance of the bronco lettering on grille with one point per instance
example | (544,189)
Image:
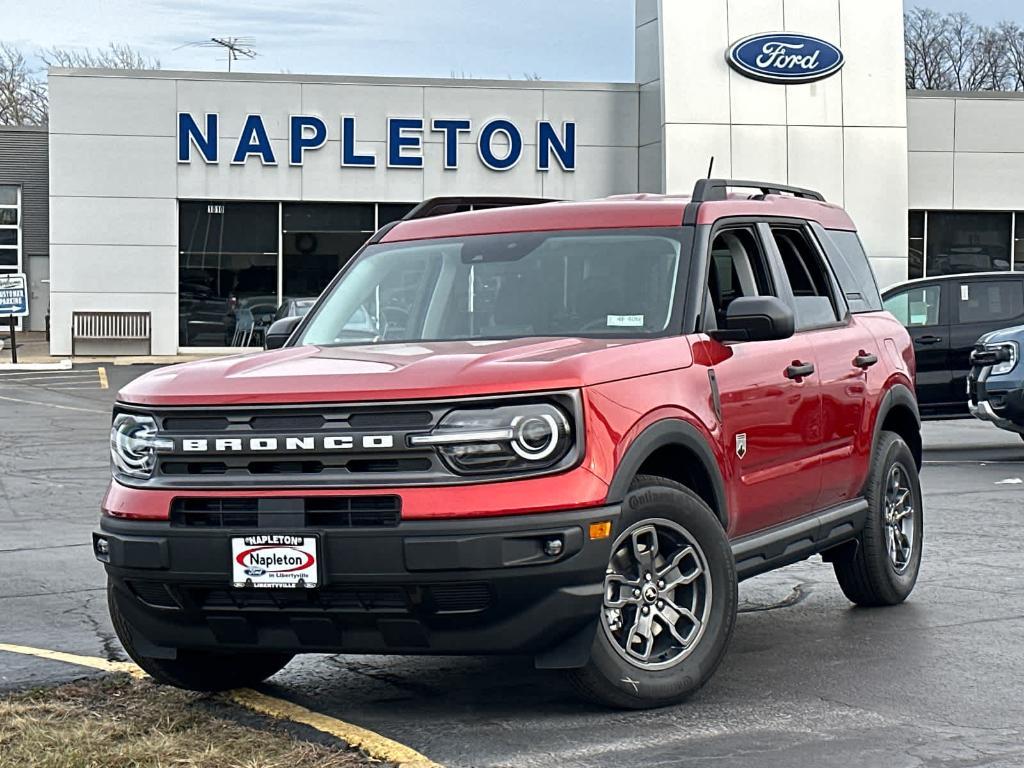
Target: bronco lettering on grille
(297,443)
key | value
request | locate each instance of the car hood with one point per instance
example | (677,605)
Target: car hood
(1003,334)
(405,371)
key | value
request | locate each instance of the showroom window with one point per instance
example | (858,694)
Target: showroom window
(915,251)
(960,241)
(10,227)
(239,262)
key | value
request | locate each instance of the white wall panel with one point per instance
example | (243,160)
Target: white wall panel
(111,221)
(603,118)
(930,125)
(118,106)
(695,76)
(930,180)
(758,152)
(874,87)
(234,99)
(987,180)
(816,159)
(889,271)
(650,113)
(751,101)
(876,196)
(701,143)
(112,166)
(601,171)
(648,58)
(646,10)
(819,103)
(651,173)
(989,125)
(115,269)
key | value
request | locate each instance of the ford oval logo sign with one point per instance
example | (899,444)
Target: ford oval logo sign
(784,57)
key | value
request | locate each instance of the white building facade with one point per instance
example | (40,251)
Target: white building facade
(208,200)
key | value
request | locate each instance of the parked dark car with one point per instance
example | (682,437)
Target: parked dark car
(945,317)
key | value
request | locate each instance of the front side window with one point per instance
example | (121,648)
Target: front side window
(917,307)
(608,283)
(812,293)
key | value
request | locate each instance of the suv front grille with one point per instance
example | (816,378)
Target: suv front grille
(285,446)
(307,512)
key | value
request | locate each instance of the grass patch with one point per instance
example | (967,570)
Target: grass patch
(118,722)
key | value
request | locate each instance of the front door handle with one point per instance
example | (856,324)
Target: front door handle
(798,370)
(928,339)
(865,360)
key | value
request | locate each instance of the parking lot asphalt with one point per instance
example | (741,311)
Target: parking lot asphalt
(808,680)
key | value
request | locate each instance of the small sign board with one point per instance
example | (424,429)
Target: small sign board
(13,295)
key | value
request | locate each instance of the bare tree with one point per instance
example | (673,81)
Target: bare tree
(927,66)
(22,90)
(114,56)
(1013,41)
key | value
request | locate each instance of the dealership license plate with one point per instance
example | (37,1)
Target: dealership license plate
(274,560)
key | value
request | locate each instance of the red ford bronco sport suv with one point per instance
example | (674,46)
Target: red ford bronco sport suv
(564,430)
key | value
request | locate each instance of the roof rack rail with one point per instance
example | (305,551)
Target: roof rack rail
(439,206)
(715,189)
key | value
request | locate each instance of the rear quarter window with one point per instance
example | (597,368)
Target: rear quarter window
(853,270)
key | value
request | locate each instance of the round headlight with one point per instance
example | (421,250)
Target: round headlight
(535,437)
(507,438)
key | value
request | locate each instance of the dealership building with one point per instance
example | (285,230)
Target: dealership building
(194,204)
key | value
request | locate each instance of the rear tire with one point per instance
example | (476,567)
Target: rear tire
(204,671)
(661,638)
(881,566)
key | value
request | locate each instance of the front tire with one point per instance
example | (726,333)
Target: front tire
(669,603)
(881,566)
(204,671)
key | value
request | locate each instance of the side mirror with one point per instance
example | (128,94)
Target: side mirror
(279,331)
(757,318)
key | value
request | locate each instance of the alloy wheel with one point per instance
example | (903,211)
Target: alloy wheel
(657,595)
(899,518)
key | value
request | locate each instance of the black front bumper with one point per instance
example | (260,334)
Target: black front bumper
(1000,402)
(435,587)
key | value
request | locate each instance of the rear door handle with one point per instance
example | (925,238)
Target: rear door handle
(798,370)
(928,339)
(865,360)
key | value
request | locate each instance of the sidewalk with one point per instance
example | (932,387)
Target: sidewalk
(34,349)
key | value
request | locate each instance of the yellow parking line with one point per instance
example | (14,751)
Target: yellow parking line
(103,377)
(73,658)
(376,746)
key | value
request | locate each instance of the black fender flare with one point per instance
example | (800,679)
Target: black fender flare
(658,435)
(898,395)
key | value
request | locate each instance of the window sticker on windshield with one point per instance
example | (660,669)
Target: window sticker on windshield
(965,292)
(625,321)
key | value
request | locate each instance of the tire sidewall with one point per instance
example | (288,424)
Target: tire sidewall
(895,450)
(651,687)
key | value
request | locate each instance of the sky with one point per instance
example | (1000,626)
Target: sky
(553,39)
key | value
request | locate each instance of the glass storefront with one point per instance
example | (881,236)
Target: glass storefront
(954,242)
(239,263)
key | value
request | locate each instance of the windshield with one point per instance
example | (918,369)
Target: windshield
(581,283)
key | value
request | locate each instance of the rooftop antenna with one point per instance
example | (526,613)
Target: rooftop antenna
(711,166)
(235,47)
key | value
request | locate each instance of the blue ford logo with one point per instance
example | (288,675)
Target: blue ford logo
(783,57)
